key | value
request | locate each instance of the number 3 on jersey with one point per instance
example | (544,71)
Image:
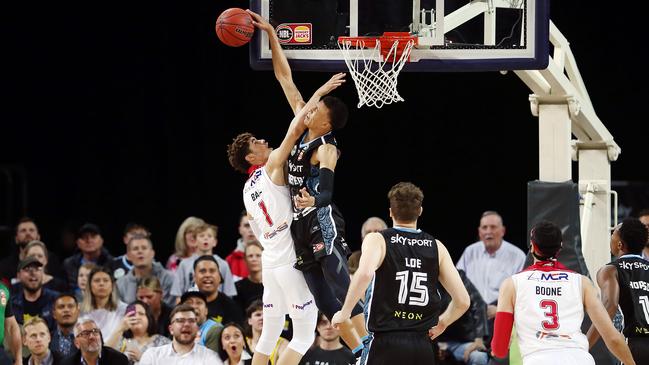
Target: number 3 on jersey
(418,290)
(551,312)
(262,206)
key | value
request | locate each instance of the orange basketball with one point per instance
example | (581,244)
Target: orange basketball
(234,27)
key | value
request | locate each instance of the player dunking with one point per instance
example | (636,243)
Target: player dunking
(402,266)
(625,282)
(546,303)
(318,226)
(268,203)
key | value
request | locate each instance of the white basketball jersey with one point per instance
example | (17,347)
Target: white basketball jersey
(549,310)
(272,213)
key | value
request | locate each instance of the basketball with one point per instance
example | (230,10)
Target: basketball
(234,27)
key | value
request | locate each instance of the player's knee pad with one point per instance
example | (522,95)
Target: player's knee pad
(270,333)
(303,333)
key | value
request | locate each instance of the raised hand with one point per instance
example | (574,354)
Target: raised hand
(333,83)
(261,23)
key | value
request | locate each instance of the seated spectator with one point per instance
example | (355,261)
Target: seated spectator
(255,313)
(220,307)
(65,314)
(236,259)
(33,299)
(36,337)
(82,280)
(39,250)
(185,243)
(26,231)
(140,250)
(136,333)
(122,264)
(91,247)
(251,287)
(183,349)
(234,350)
(87,338)
(101,302)
(209,331)
(464,338)
(149,291)
(206,239)
(328,348)
(372,224)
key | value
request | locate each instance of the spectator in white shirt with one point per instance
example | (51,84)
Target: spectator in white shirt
(183,350)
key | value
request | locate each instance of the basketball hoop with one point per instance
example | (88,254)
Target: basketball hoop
(382,59)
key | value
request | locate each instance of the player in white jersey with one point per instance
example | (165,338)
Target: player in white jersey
(268,203)
(546,303)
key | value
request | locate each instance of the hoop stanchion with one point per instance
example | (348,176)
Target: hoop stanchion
(375,63)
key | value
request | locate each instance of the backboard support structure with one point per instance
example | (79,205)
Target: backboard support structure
(479,35)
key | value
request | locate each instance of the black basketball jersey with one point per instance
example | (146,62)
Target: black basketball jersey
(402,295)
(300,171)
(633,278)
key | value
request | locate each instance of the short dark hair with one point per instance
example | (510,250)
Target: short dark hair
(643,212)
(206,258)
(338,112)
(65,295)
(547,237)
(181,308)
(634,234)
(132,226)
(24,220)
(405,201)
(238,150)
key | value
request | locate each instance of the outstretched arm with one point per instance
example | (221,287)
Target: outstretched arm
(607,280)
(372,254)
(280,63)
(451,281)
(602,321)
(278,157)
(12,334)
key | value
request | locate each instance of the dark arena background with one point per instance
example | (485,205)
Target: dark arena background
(121,111)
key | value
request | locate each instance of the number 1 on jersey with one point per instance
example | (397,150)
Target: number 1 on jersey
(262,206)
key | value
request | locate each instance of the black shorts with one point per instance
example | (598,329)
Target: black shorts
(639,347)
(316,234)
(403,348)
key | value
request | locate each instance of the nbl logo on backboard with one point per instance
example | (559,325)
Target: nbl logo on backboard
(295,33)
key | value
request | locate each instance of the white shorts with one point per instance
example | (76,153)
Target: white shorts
(285,291)
(572,356)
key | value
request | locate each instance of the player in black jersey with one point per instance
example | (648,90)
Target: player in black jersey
(625,282)
(318,227)
(402,266)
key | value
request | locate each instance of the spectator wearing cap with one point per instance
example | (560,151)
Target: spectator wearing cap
(39,250)
(140,250)
(220,307)
(33,300)
(27,231)
(122,264)
(209,331)
(91,249)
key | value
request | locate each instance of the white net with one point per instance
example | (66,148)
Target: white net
(375,75)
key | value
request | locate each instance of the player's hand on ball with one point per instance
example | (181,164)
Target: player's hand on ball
(259,22)
(304,200)
(337,319)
